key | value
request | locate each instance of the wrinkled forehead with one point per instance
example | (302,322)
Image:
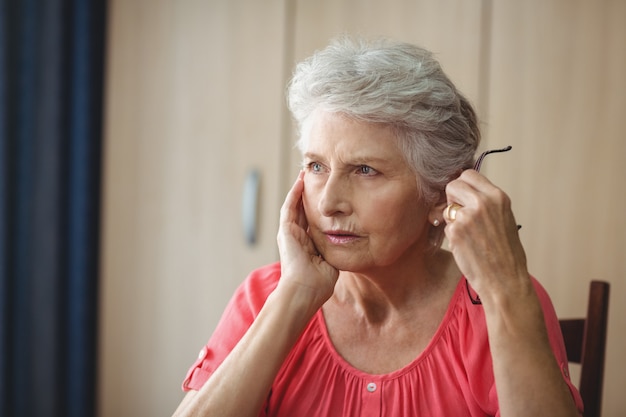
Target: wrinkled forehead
(391,134)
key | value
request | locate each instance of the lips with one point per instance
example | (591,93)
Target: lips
(340,237)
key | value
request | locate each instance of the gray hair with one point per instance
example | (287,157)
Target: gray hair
(397,84)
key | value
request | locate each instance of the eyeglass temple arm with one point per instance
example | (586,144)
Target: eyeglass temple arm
(479,161)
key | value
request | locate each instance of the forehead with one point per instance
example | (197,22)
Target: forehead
(338,134)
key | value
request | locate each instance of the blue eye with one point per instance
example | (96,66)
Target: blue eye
(366,170)
(315,166)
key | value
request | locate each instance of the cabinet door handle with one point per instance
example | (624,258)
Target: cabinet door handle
(250,205)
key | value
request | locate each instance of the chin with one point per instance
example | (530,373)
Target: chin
(350,262)
(342,258)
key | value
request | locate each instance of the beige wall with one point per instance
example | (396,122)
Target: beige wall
(195,100)
(193,104)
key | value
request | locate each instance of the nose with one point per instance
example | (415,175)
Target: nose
(335,198)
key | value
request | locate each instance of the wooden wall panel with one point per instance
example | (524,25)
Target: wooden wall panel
(194,102)
(558,95)
(450,28)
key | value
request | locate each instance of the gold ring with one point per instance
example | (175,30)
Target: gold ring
(449,213)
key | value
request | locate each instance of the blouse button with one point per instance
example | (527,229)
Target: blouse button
(202,353)
(371,387)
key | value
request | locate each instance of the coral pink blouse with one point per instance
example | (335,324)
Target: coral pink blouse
(453,376)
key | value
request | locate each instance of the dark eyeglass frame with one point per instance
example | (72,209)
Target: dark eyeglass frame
(479,161)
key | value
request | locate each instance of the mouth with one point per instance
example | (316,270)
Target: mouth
(340,237)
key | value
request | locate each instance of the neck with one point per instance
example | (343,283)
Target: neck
(380,293)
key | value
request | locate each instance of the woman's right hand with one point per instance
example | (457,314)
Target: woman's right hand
(306,282)
(303,269)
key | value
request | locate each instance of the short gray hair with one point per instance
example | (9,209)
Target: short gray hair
(398,84)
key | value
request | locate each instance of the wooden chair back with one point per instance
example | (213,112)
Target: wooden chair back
(585,342)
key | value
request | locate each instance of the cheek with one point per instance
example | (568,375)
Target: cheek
(399,217)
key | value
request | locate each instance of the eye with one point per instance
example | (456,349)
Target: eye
(366,170)
(315,167)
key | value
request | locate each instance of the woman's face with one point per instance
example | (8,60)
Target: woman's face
(361,198)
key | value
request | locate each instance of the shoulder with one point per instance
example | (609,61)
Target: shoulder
(472,326)
(542,294)
(468,315)
(540,291)
(257,286)
(263,279)
(547,307)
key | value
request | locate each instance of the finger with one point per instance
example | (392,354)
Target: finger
(476,183)
(459,196)
(450,212)
(481,202)
(293,199)
(293,207)
(471,189)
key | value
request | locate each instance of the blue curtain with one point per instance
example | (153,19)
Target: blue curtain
(51,94)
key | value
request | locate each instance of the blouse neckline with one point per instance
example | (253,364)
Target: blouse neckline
(454,302)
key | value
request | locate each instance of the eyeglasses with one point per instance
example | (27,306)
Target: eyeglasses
(479,161)
(477,165)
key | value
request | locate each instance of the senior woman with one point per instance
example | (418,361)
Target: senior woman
(366,314)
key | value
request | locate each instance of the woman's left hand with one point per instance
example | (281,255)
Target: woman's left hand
(484,236)
(485,242)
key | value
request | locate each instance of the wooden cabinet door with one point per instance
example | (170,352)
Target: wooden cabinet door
(194,103)
(558,96)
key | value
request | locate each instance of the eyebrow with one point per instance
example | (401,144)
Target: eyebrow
(356,160)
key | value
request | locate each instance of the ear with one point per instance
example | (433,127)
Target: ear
(436,211)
